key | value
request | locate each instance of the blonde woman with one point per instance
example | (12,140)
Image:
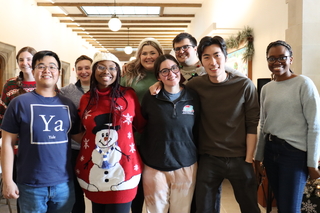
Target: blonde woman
(139,75)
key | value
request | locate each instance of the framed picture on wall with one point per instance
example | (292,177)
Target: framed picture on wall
(235,61)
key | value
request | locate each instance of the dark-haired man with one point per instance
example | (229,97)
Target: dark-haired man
(228,128)
(43,120)
(185,48)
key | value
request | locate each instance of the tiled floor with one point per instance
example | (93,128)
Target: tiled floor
(228,202)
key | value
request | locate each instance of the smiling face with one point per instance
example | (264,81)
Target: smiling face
(106,138)
(280,68)
(188,55)
(25,62)
(171,69)
(148,56)
(213,60)
(105,73)
(83,70)
(46,72)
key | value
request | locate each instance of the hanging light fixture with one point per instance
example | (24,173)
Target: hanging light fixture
(128,49)
(132,58)
(114,23)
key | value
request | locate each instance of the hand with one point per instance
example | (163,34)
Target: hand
(10,190)
(249,160)
(314,173)
(259,170)
(155,88)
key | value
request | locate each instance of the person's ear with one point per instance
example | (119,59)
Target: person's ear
(291,60)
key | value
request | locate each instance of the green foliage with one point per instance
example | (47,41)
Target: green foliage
(244,36)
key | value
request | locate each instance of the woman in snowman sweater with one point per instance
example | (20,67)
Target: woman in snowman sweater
(109,166)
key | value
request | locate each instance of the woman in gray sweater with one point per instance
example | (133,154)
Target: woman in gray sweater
(289,140)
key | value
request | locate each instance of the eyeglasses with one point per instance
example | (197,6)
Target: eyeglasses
(165,72)
(183,48)
(280,59)
(51,68)
(101,68)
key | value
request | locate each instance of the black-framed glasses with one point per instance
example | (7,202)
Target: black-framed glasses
(101,68)
(165,72)
(42,67)
(183,48)
(280,59)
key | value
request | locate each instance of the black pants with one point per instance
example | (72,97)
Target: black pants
(111,208)
(213,170)
(137,203)
(79,205)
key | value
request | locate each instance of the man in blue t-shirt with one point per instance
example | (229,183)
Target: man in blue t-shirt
(43,120)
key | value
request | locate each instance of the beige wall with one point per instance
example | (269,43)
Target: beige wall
(267,18)
(30,25)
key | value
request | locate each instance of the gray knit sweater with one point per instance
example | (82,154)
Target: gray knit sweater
(290,110)
(74,92)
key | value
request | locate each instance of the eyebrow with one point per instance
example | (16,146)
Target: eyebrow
(51,63)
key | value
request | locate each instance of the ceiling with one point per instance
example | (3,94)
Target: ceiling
(175,17)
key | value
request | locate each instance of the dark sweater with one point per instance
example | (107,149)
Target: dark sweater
(168,140)
(229,111)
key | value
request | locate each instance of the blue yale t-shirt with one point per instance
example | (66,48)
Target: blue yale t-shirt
(43,125)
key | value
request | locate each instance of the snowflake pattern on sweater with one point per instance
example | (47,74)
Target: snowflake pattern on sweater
(109,166)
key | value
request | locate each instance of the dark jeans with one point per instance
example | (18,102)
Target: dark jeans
(217,205)
(79,205)
(287,173)
(213,170)
(111,208)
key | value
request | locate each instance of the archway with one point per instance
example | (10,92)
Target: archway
(2,65)
(8,62)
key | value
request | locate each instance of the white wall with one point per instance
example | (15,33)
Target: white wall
(23,23)
(267,18)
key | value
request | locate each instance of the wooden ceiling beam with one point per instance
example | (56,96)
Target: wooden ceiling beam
(81,10)
(61,15)
(116,35)
(161,11)
(129,21)
(66,16)
(142,37)
(147,26)
(135,38)
(132,33)
(107,30)
(169,40)
(79,4)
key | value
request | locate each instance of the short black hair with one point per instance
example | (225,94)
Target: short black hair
(279,43)
(208,41)
(182,36)
(41,54)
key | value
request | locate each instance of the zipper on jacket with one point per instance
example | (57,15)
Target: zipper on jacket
(174,114)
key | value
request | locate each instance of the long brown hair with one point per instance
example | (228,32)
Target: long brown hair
(20,77)
(135,71)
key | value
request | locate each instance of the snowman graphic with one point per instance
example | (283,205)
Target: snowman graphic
(107,174)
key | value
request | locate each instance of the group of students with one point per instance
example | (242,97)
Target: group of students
(195,127)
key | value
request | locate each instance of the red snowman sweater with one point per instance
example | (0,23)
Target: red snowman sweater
(109,166)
